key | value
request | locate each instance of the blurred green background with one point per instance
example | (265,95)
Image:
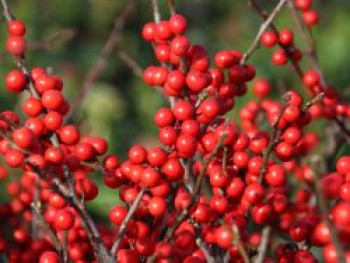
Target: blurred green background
(120,106)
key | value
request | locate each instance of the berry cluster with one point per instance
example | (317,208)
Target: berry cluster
(213,190)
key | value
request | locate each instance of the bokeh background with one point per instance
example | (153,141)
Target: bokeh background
(66,37)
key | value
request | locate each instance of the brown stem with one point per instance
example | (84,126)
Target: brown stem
(45,227)
(323,207)
(101,61)
(156,11)
(262,250)
(265,16)
(268,21)
(124,224)
(275,138)
(237,242)
(196,192)
(171,4)
(101,252)
(312,56)
(131,63)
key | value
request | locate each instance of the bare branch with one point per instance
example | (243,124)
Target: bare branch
(237,242)
(131,63)
(124,224)
(101,61)
(197,190)
(262,29)
(265,239)
(323,207)
(47,229)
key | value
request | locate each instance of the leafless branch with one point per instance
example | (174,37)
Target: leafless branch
(131,63)
(323,207)
(265,239)
(124,224)
(237,242)
(262,29)
(47,229)
(197,190)
(265,16)
(101,61)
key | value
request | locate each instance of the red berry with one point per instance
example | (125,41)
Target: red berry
(16,28)
(168,135)
(49,257)
(163,31)
(291,135)
(157,206)
(173,169)
(117,214)
(178,24)
(286,37)
(14,158)
(44,83)
(254,193)
(23,137)
(84,151)
(137,154)
(69,135)
(268,39)
(176,80)
(224,59)
(310,17)
(64,219)
(32,107)
(156,156)
(16,45)
(148,32)
(197,81)
(57,201)
(164,117)
(279,57)
(150,177)
(180,45)
(52,99)
(261,88)
(224,236)
(16,81)
(54,155)
(183,110)
(53,120)
(311,78)
(186,145)
(275,175)
(284,151)
(303,5)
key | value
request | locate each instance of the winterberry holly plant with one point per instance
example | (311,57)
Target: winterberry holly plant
(215,189)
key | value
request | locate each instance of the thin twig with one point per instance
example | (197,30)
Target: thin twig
(323,207)
(124,224)
(312,56)
(275,138)
(156,11)
(237,242)
(101,61)
(262,249)
(262,29)
(203,247)
(308,40)
(100,250)
(171,4)
(47,229)
(131,63)
(265,16)
(197,190)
